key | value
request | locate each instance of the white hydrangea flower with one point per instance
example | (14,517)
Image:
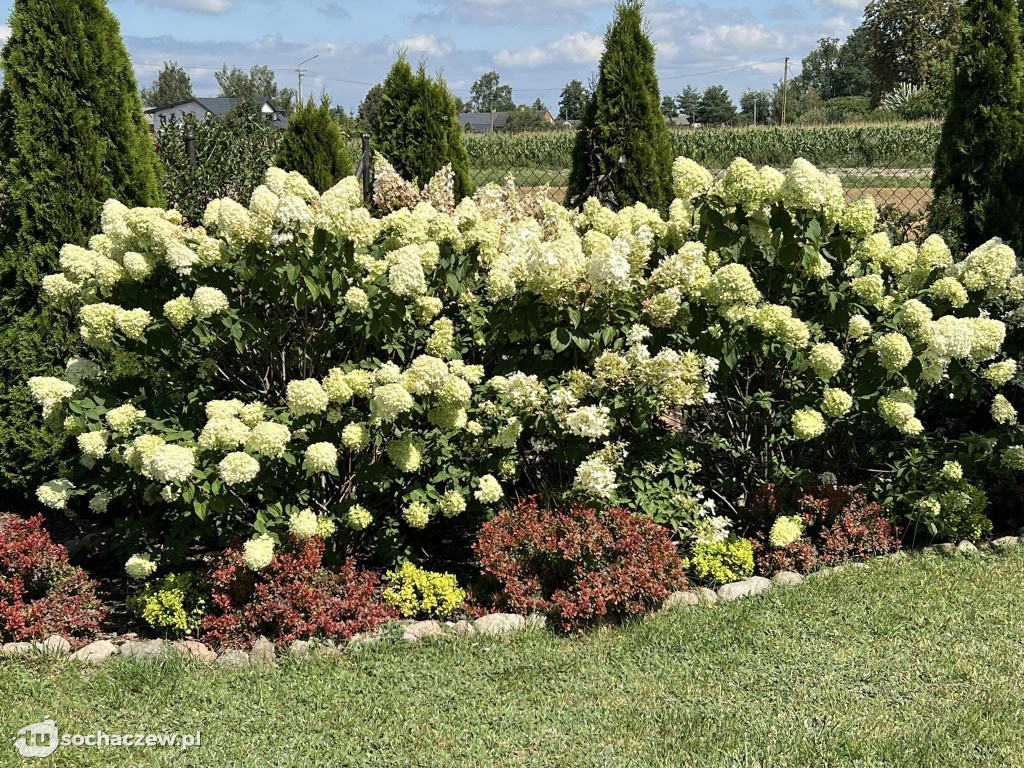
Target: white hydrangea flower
(258,552)
(55,493)
(140,566)
(238,468)
(207,302)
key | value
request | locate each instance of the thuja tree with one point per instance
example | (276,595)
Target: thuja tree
(233,153)
(979,186)
(73,136)
(622,151)
(417,129)
(314,146)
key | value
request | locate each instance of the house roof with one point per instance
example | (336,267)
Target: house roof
(480,122)
(215,105)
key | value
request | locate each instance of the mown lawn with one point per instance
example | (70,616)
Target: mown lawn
(906,663)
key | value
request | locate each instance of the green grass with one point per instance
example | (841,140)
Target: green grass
(917,662)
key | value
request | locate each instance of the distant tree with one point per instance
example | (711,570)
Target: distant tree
(368,107)
(623,155)
(312,144)
(172,85)
(72,136)
(418,131)
(688,102)
(488,94)
(668,107)
(762,100)
(573,100)
(257,84)
(539,106)
(979,174)
(716,107)
(818,67)
(910,40)
(461,106)
(853,75)
(525,119)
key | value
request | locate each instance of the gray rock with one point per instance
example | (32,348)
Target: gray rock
(366,638)
(787,579)
(323,647)
(54,645)
(1005,542)
(984,546)
(706,595)
(536,621)
(143,650)
(679,599)
(966,548)
(299,649)
(263,654)
(96,652)
(233,659)
(737,589)
(16,649)
(419,629)
(499,623)
(463,627)
(192,649)
(944,548)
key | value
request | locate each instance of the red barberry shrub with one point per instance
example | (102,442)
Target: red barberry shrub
(293,598)
(41,593)
(840,525)
(577,566)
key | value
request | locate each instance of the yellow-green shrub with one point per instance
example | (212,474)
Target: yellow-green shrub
(418,592)
(722,561)
(174,604)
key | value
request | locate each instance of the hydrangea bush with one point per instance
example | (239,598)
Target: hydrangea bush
(305,363)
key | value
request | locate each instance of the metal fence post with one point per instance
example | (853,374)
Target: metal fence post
(366,167)
(190,147)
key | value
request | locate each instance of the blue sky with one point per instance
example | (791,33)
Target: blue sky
(536,45)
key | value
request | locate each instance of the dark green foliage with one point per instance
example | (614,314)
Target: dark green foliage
(978,165)
(257,84)
(73,136)
(716,107)
(172,85)
(314,146)
(233,153)
(417,129)
(623,144)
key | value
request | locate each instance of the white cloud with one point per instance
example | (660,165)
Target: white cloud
(846,5)
(521,12)
(5,32)
(573,48)
(430,45)
(194,6)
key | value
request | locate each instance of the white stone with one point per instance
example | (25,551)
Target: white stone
(787,579)
(96,652)
(499,623)
(737,589)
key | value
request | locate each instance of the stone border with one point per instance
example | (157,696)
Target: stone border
(264,655)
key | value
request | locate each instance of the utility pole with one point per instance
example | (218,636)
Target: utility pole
(300,72)
(785,89)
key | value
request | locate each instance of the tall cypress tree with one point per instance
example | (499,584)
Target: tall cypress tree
(417,128)
(978,182)
(312,144)
(623,145)
(73,135)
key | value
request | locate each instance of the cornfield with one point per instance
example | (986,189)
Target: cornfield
(890,161)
